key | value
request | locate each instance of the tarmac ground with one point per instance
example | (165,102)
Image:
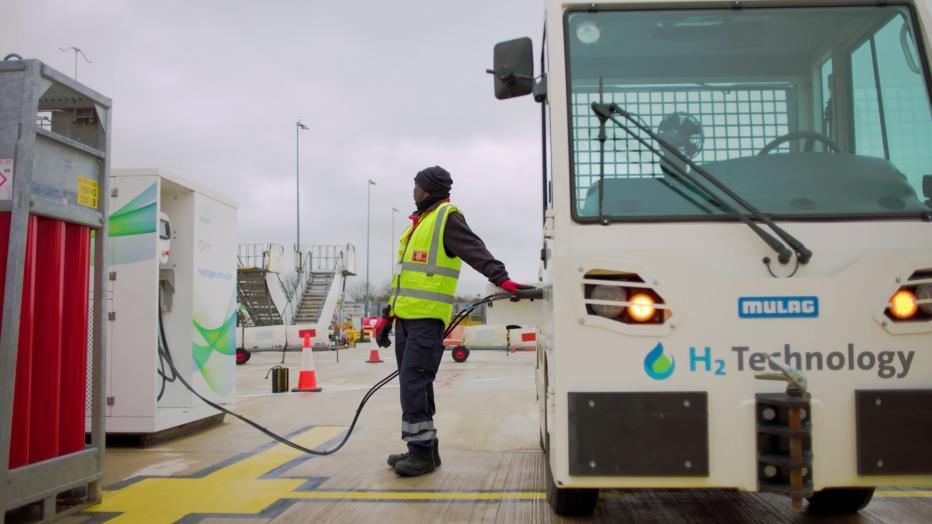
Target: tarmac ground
(493,469)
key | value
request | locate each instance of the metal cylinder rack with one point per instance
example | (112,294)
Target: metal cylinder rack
(54,158)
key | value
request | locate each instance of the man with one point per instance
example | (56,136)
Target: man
(421,304)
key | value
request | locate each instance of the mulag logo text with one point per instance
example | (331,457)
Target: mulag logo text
(778,307)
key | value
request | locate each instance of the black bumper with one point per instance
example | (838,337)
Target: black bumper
(639,434)
(894,430)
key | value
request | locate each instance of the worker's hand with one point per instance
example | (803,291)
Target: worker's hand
(382,327)
(513,287)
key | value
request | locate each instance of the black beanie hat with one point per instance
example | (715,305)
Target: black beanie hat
(435,180)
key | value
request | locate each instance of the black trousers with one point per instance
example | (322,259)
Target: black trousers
(418,350)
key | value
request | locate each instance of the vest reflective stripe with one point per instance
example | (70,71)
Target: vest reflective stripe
(430,270)
(420,437)
(417,427)
(426,295)
(436,242)
(425,286)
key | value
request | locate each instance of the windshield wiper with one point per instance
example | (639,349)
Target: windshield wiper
(605,112)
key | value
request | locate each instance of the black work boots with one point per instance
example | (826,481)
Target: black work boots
(414,464)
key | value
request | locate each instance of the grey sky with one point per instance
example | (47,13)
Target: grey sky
(211,90)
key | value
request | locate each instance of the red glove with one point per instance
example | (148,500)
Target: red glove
(382,327)
(513,287)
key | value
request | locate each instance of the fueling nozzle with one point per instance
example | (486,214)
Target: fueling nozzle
(529,293)
(795,380)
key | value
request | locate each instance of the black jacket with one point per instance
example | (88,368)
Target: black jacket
(460,241)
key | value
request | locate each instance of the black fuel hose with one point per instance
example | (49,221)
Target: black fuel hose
(165,354)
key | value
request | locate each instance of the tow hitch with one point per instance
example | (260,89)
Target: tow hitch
(784,436)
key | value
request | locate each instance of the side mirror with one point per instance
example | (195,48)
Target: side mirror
(513,71)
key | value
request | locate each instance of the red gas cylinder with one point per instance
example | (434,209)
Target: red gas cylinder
(51,363)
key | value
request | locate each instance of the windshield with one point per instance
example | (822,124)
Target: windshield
(804,112)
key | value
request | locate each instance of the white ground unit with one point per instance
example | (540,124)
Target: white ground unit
(512,337)
(198,300)
(659,306)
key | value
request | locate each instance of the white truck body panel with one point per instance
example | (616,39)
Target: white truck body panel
(702,269)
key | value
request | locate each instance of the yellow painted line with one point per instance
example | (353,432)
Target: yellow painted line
(236,488)
(420,495)
(906,493)
(499,496)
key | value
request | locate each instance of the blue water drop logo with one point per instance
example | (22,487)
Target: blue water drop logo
(657,365)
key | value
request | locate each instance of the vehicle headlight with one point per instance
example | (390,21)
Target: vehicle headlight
(924,292)
(642,307)
(623,296)
(903,304)
(611,294)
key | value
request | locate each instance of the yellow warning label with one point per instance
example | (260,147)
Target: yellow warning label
(87,192)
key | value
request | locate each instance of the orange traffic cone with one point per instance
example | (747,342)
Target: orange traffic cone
(374,357)
(307,378)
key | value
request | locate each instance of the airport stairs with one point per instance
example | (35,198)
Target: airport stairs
(326,269)
(279,300)
(256,298)
(259,289)
(315,297)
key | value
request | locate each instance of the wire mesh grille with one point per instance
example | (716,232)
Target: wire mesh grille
(907,122)
(736,122)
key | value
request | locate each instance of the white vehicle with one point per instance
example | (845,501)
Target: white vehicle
(734,191)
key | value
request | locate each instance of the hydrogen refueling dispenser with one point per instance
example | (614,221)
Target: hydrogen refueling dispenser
(172,254)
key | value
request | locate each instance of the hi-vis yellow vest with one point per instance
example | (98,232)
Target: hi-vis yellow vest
(425,286)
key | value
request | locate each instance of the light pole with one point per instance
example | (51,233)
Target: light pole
(297,191)
(368,206)
(391,245)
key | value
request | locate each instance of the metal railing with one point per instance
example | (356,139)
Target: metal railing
(295,292)
(316,259)
(325,258)
(257,255)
